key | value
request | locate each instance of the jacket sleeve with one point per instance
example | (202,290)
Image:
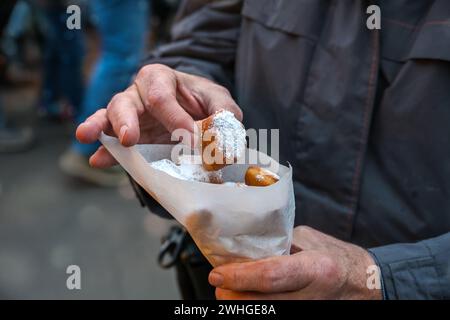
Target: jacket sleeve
(204,40)
(415,270)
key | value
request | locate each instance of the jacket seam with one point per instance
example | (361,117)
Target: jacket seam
(366,125)
(419,26)
(441,286)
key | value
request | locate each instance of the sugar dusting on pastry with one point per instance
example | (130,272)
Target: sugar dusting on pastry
(187,171)
(229,134)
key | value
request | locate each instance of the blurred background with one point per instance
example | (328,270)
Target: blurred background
(55,210)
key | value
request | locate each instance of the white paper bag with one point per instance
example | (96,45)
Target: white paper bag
(228,223)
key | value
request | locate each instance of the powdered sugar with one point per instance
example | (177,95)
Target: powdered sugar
(233,184)
(168,167)
(229,134)
(259,177)
(187,171)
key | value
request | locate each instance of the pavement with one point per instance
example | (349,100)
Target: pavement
(49,222)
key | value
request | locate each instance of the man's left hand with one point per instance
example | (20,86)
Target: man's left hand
(320,267)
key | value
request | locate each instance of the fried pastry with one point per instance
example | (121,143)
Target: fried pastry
(259,177)
(222,140)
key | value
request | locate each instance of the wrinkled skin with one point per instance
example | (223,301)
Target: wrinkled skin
(162,100)
(159,101)
(320,267)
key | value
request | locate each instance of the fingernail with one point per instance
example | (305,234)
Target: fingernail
(122,133)
(83,124)
(215,279)
(91,161)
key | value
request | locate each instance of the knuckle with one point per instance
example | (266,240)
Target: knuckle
(151,69)
(222,90)
(158,67)
(328,268)
(156,98)
(266,283)
(302,230)
(270,276)
(235,278)
(117,100)
(143,72)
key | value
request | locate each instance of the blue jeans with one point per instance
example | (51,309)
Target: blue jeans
(123,26)
(63,60)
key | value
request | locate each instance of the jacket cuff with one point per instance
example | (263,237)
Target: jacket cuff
(408,271)
(383,289)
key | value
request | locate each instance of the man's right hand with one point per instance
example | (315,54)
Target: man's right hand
(159,101)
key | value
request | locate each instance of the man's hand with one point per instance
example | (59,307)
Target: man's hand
(321,267)
(159,101)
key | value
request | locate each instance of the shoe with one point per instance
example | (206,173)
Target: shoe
(76,165)
(15,139)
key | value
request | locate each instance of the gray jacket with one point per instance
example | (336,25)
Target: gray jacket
(364,116)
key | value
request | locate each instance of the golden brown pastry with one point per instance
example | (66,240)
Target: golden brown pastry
(259,177)
(222,140)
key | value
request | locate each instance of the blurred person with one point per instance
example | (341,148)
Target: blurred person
(62,88)
(12,139)
(18,23)
(364,121)
(5,12)
(123,27)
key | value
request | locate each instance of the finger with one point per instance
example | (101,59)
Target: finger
(219,99)
(89,131)
(277,274)
(158,94)
(123,113)
(102,159)
(214,97)
(224,294)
